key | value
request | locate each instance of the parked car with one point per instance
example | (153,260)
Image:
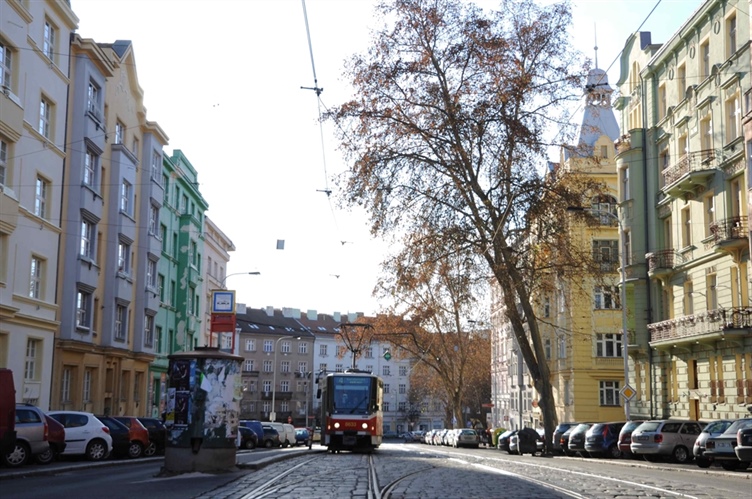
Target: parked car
(121,436)
(721,448)
(317,434)
(466,438)
(502,442)
(713,429)
(526,441)
(84,434)
(666,438)
(558,432)
(248,438)
(157,436)
(255,426)
(576,444)
(7,411)
(56,438)
(625,437)
(602,439)
(286,432)
(743,447)
(564,441)
(139,435)
(271,438)
(31,436)
(302,436)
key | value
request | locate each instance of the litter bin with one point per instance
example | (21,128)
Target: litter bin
(527,441)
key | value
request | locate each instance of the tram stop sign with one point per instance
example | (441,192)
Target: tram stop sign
(387,355)
(628,392)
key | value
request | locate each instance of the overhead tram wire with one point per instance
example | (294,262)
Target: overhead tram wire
(318,90)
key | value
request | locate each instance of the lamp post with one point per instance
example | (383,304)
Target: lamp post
(273,414)
(626,392)
(222,283)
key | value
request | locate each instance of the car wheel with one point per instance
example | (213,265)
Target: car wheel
(18,456)
(682,455)
(45,457)
(135,450)
(703,463)
(96,450)
(268,444)
(730,465)
(614,452)
(150,450)
(248,444)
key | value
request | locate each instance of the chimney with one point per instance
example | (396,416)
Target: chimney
(337,317)
(311,315)
(270,311)
(240,308)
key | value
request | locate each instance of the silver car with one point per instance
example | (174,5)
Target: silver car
(713,429)
(666,438)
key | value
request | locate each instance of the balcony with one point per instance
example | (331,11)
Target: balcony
(731,233)
(278,396)
(712,325)
(691,170)
(663,262)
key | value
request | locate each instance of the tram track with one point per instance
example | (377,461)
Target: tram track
(277,482)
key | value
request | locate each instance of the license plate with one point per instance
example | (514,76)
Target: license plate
(643,438)
(721,445)
(349,440)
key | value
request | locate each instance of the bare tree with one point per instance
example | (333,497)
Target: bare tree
(445,136)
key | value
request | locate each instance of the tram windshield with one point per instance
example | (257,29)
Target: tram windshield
(351,394)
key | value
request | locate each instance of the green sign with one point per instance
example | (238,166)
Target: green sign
(387,355)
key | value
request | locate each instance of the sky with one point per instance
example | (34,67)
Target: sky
(223,78)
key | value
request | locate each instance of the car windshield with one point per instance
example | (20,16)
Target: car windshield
(716,427)
(631,425)
(739,424)
(597,428)
(649,426)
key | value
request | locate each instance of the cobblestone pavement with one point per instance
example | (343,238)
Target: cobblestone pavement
(415,471)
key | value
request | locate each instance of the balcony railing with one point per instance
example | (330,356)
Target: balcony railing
(666,259)
(693,326)
(730,229)
(693,162)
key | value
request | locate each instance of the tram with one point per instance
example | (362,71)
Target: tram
(351,414)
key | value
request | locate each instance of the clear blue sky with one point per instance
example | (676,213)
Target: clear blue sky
(223,80)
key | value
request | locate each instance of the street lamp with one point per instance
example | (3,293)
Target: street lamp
(222,284)
(626,391)
(273,414)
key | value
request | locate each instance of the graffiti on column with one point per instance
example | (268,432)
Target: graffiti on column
(223,385)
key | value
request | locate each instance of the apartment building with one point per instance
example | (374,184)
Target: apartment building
(34,53)
(681,165)
(217,248)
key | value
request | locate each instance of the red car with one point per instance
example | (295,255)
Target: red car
(138,435)
(56,439)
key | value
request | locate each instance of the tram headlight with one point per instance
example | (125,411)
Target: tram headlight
(336,425)
(365,426)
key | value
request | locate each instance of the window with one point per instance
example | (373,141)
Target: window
(83,310)
(284,386)
(153,220)
(31,363)
(403,388)
(369,368)
(268,346)
(49,41)
(268,366)
(386,406)
(156,160)
(286,347)
(547,307)
(6,66)
(733,116)
(90,169)
(151,274)
(662,101)
(608,345)
(3,161)
(606,298)
(303,347)
(681,81)
(86,391)
(45,116)
(119,132)
(124,253)
(386,387)
(250,345)
(369,352)
(402,406)
(161,287)
(248,365)
(688,301)
(35,278)
(338,368)
(267,386)
(121,322)
(65,383)
(403,370)
(606,253)
(547,348)
(252,385)
(40,200)
(711,292)
(686,227)
(562,347)
(322,350)
(284,366)
(302,367)
(385,370)
(731,36)
(92,100)
(148,330)
(284,406)
(705,59)
(323,368)
(609,393)
(708,204)
(126,191)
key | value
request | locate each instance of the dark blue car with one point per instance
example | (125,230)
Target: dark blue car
(255,426)
(302,436)
(602,439)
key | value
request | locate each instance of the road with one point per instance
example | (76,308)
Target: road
(395,470)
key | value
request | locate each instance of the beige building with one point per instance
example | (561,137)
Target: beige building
(217,248)
(34,49)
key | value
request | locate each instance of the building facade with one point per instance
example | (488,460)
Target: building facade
(217,248)
(34,50)
(682,168)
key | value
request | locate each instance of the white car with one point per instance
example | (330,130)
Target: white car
(84,434)
(286,432)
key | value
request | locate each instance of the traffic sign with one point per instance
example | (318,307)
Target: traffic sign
(628,392)
(387,355)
